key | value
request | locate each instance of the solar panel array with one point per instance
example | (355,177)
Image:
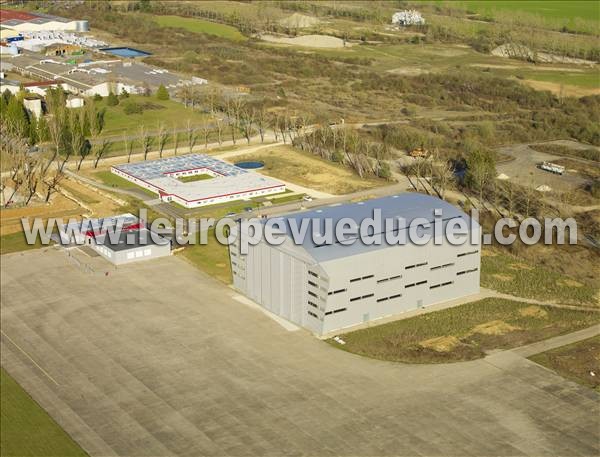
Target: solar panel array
(153,169)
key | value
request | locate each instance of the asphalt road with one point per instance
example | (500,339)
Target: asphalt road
(158,359)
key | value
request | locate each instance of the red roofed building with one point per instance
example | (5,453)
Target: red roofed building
(7,15)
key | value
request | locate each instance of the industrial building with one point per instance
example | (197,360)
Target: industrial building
(135,241)
(326,287)
(23,21)
(89,78)
(172,179)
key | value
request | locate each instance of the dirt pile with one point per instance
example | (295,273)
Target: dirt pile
(299,21)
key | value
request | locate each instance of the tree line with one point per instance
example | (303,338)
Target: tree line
(71,133)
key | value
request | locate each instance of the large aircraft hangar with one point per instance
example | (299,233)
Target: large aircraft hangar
(330,286)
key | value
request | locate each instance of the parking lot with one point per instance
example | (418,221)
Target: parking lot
(156,358)
(524,170)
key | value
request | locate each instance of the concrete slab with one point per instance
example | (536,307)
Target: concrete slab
(159,359)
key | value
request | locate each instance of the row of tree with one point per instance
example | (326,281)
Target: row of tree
(346,146)
(70,133)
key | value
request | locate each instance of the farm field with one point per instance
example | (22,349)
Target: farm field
(573,9)
(27,430)
(575,362)
(200,26)
(464,332)
(289,164)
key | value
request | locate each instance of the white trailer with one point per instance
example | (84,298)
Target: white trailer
(552,168)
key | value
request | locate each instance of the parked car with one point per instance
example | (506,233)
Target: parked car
(307,198)
(248,209)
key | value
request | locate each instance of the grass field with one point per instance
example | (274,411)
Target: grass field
(15,242)
(575,361)
(200,26)
(573,9)
(511,275)
(211,258)
(27,430)
(169,112)
(465,332)
(289,164)
(110,179)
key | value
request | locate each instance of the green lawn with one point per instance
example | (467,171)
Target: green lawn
(16,242)
(27,430)
(212,258)
(167,111)
(464,332)
(200,177)
(575,361)
(110,179)
(286,199)
(200,26)
(512,275)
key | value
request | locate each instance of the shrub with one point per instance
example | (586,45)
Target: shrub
(131,107)
(162,93)
(97,97)
(112,100)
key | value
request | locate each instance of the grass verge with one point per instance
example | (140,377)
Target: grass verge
(27,430)
(212,258)
(464,332)
(15,242)
(110,179)
(575,362)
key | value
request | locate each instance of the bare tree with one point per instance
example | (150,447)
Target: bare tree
(16,150)
(33,176)
(246,121)
(175,139)
(441,173)
(145,141)
(101,148)
(219,126)
(261,123)
(192,136)
(79,145)
(163,137)
(128,143)
(205,132)
(51,180)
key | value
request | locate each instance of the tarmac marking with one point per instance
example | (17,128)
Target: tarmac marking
(30,358)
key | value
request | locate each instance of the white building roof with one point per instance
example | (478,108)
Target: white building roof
(232,180)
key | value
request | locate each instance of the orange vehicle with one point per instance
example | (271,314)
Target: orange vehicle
(419,153)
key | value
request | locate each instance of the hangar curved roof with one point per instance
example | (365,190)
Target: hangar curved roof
(408,206)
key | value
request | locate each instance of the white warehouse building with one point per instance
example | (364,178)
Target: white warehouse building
(172,179)
(330,286)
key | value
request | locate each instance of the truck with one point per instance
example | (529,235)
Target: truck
(552,168)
